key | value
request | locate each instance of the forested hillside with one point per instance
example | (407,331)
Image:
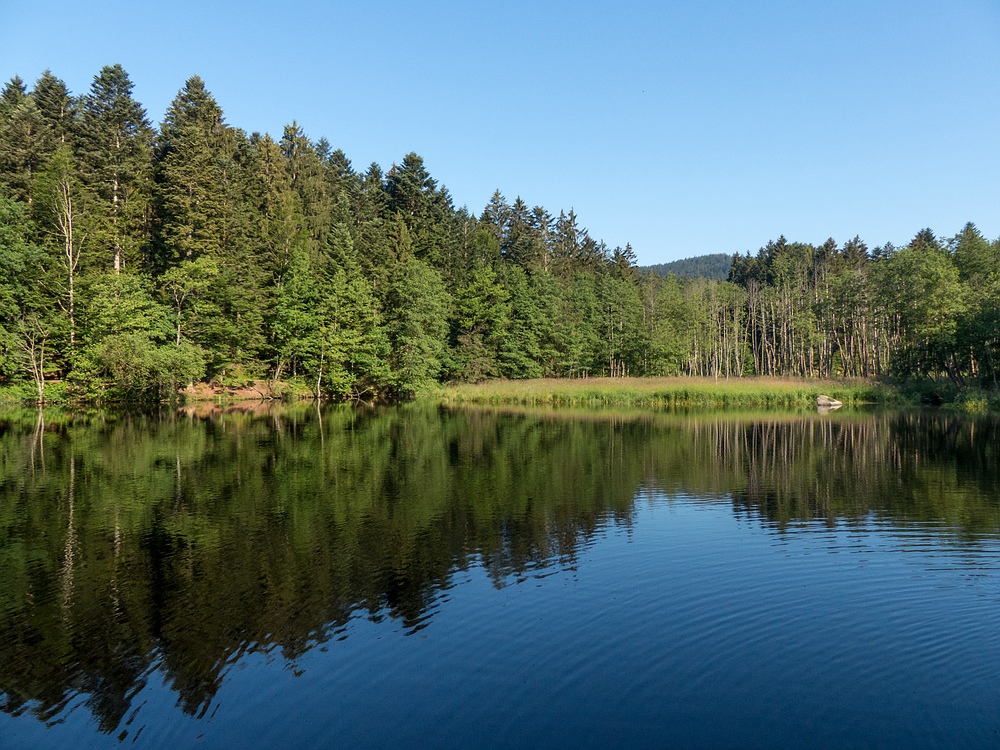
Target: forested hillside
(135,260)
(715,266)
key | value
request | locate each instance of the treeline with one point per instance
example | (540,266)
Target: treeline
(715,266)
(136,260)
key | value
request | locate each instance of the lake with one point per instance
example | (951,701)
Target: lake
(421,576)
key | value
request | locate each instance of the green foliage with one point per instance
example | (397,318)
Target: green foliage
(247,257)
(121,304)
(353,344)
(622,334)
(928,300)
(296,324)
(418,307)
(715,266)
(667,325)
(519,352)
(21,262)
(114,142)
(128,351)
(193,149)
(129,366)
(24,145)
(55,107)
(482,317)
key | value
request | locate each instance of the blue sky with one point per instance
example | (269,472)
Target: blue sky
(684,128)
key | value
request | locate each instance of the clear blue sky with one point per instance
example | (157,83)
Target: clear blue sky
(684,127)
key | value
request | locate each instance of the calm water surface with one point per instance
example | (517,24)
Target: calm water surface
(429,577)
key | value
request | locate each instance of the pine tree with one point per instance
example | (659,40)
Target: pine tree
(522,246)
(482,317)
(282,227)
(307,173)
(339,173)
(56,109)
(426,209)
(372,226)
(354,347)
(296,325)
(418,307)
(188,175)
(22,151)
(208,206)
(114,142)
(519,349)
(496,219)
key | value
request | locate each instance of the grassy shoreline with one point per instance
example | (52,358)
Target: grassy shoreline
(708,392)
(658,392)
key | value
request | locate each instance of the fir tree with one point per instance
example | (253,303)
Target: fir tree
(114,143)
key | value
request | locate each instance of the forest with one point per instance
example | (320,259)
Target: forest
(136,260)
(715,266)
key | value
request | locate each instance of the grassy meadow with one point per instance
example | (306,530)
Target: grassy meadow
(670,392)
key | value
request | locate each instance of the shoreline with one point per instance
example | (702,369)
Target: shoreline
(646,392)
(688,392)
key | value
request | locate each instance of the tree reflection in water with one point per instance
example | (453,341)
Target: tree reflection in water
(177,542)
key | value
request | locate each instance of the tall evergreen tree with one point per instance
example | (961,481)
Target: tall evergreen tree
(418,307)
(22,148)
(56,109)
(206,206)
(114,142)
(307,173)
(424,208)
(188,174)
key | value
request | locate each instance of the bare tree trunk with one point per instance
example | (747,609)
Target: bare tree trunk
(114,213)
(65,221)
(32,337)
(319,376)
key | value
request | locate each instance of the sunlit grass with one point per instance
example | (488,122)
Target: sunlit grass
(669,392)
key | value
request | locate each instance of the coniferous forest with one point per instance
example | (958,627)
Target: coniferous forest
(135,260)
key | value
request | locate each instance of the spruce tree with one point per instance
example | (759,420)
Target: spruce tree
(207,207)
(22,148)
(114,143)
(418,307)
(188,175)
(307,174)
(56,109)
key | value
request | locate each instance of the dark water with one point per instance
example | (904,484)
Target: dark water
(420,577)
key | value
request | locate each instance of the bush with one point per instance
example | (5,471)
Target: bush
(130,367)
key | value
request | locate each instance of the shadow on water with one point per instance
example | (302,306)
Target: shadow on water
(177,542)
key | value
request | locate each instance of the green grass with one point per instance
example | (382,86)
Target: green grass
(673,392)
(670,392)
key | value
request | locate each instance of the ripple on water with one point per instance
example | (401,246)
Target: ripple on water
(557,608)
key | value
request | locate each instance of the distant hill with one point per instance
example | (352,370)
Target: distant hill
(714,266)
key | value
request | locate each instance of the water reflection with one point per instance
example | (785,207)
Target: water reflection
(176,543)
